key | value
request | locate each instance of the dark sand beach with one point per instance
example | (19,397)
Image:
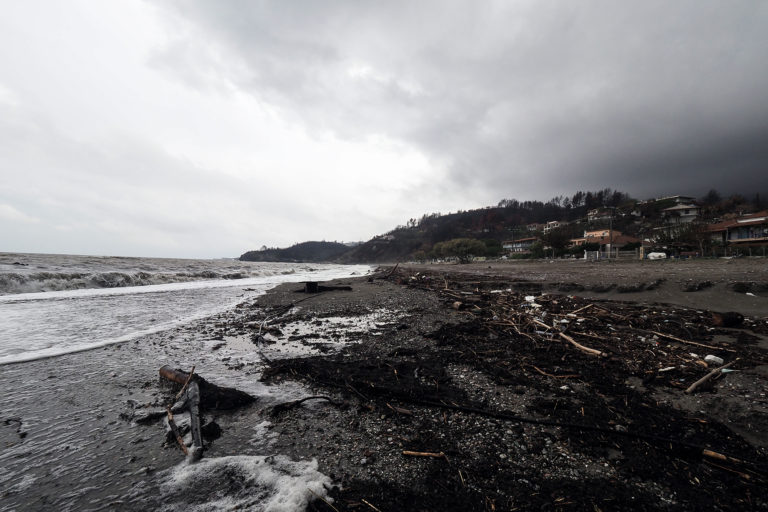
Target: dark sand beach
(452,387)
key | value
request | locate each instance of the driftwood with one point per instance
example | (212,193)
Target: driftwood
(186,383)
(176,376)
(400,410)
(440,455)
(370,505)
(323,288)
(586,350)
(581,309)
(211,395)
(196,393)
(708,376)
(385,276)
(687,342)
(193,403)
(176,433)
(315,287)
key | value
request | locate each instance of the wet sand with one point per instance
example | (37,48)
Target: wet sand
(69,440)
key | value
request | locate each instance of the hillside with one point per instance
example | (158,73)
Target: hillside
(510,219)
(305,252)
(552,223)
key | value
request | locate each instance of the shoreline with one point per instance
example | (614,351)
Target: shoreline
(403,337)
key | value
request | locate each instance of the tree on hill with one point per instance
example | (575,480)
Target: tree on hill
(711,198)
(493,248)
(465,249)
(558,239)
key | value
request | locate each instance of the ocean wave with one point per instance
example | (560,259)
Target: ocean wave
(13,283)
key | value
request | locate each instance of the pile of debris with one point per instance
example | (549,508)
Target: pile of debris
(596,377)
(663,344)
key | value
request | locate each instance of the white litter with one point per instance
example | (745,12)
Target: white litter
(713,359)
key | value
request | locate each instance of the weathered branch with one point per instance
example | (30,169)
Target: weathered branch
(586,350)
(176,433)
(186,383)
(708,376)
(687,342)
(440,455)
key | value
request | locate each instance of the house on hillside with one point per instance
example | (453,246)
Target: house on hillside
(681,213)
(747,230)
(677,199)
(599,214)
(520,246)
(534,227)
(604,237)
(673,199)
(553,224)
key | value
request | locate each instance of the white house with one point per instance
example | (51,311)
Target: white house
(553,224)
(681,213)
(519,246)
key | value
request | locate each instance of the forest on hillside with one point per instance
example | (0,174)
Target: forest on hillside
(509,219)
(304,252)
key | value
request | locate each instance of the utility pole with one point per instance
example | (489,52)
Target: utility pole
(610,235)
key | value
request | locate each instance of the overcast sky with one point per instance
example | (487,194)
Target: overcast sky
(207,128)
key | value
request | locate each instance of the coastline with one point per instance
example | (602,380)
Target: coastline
(400,334)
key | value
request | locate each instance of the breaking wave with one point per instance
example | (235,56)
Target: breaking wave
(11,283)
(35,273)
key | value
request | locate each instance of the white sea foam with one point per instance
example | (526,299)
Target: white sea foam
(255,483)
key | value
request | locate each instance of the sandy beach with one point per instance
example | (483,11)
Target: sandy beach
(444,388)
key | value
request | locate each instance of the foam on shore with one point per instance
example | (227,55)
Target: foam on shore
(257,483)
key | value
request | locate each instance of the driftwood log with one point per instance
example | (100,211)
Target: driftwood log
(315,287)
(211,395)
(197,394)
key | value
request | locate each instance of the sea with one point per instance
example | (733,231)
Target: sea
(81,341)
(57,304)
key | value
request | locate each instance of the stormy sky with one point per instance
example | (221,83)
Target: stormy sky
(207,128)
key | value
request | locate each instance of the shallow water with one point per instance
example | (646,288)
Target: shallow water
(48,323)
(78,362)
(66,442)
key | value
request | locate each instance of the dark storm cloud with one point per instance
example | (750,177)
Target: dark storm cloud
(525,99)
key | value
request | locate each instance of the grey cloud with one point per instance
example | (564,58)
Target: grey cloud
(122,197)
(526,99)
